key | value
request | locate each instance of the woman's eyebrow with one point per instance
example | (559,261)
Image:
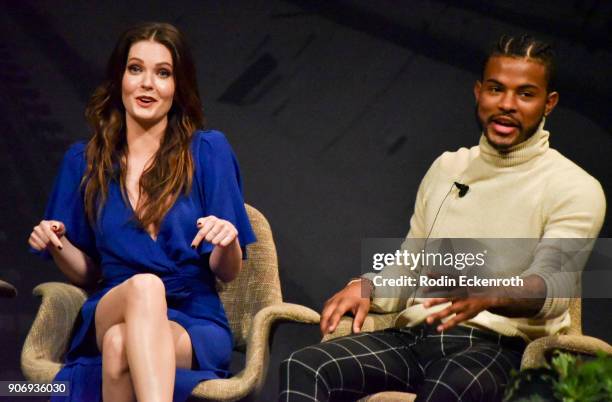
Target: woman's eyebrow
(133,58)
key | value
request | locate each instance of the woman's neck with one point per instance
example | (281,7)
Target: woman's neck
(144,140)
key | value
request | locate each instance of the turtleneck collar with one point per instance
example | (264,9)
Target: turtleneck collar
(536,145)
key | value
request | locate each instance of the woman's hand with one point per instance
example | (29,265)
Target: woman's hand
(73,262)
(226,258)
(218,232)
(47,233)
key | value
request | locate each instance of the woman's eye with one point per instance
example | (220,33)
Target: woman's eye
(165,73)
(134,68)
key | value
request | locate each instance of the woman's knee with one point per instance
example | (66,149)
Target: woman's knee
(145,288)
(114,355)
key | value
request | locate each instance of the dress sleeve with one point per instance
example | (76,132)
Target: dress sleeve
(66,203)
(219,175)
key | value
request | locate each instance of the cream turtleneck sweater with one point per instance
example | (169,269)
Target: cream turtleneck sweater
(530,191)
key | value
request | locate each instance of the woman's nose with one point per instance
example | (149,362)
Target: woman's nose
(147,81)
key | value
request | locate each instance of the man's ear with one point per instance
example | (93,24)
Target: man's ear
(551,101)
(477,87)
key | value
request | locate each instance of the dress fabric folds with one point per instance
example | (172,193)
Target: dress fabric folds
(123,249)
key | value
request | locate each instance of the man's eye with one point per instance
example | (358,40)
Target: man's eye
(494,89)
(526,94)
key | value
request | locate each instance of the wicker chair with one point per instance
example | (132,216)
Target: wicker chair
(535,354)
(253,303)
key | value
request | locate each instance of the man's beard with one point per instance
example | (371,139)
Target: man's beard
(530,131)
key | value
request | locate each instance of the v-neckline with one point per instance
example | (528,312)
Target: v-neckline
(133,213)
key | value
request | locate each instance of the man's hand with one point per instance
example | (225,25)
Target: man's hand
(348,299)
(463,308)
(523,301)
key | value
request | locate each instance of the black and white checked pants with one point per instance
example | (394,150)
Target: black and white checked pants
(461,364)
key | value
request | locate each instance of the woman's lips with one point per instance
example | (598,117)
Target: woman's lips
(145,101)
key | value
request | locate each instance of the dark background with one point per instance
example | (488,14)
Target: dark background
(335,110)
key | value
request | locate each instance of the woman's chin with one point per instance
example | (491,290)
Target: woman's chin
(147,120)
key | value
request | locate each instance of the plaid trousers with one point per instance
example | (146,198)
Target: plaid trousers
(461,364)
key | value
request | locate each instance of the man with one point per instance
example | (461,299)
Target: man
(512,185)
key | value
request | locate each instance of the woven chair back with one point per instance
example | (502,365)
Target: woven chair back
(257,285)
(575,311)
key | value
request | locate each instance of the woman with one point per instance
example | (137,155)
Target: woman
(149,212)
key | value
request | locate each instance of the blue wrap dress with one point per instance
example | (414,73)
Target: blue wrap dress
(123,249)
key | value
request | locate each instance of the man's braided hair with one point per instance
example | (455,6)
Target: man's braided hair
(528,47)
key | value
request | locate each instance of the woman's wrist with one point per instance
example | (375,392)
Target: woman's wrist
(226,262)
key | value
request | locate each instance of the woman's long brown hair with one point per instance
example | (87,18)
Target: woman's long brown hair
(171,172)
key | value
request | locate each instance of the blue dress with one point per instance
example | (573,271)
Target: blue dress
(124,249)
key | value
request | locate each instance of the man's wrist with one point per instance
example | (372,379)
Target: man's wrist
(367,286)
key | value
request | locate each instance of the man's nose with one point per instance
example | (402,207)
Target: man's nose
(507,102)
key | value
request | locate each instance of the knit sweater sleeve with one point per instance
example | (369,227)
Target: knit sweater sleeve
(574,211)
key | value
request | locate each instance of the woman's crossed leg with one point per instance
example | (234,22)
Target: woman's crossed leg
(140,347)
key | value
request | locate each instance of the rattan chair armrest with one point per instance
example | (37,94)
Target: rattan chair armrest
(7,290)
(48,337)
(536,352)
(372,322)
(257,353)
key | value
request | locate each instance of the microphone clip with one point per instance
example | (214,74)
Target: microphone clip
(463,189)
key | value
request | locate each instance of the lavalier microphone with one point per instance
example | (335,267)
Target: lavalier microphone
(463,188)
